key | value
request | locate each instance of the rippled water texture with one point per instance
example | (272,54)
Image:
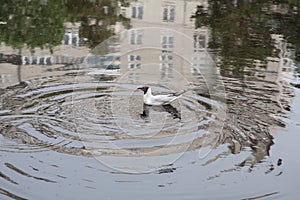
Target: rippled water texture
(73,124)
(105,119)
(89,117)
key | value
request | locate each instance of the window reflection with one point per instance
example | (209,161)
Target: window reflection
(134,61)
(136,36)
(166,70)
(5,78)
(169,13)
(167,42)
(199,41)
(137,10)
(166,58)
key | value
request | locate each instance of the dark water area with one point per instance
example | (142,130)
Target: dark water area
(73,124)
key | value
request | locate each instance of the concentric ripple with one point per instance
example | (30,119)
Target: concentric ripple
(80,119)
(100,113)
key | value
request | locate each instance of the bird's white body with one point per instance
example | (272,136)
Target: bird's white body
(157,100)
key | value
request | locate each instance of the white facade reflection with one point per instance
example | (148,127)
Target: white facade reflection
(171,24)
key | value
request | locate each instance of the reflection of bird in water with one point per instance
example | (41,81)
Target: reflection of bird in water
(164,108)
(157,100)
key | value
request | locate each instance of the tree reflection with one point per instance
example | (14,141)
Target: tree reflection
(257,97)
(241,30)
(32,23)
(40,23)
(96,18)
(288,23)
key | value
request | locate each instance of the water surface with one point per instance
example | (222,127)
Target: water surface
(73,124)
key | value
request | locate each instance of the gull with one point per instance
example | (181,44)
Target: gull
(158,100)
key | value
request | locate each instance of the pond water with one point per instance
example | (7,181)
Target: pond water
(73,124)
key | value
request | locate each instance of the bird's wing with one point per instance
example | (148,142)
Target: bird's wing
(164,98)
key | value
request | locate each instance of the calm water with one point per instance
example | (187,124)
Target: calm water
(73,124)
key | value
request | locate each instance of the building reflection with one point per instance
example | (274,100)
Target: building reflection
(256,100)
(171,24)
(71,37)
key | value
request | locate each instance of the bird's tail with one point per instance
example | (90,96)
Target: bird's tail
(179,93)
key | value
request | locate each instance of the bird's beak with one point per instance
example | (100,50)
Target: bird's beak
(140,88)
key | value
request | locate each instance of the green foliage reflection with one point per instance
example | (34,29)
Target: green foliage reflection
(32,23)
(241,30)
(40,23)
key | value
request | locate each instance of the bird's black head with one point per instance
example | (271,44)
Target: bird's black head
(144,88)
